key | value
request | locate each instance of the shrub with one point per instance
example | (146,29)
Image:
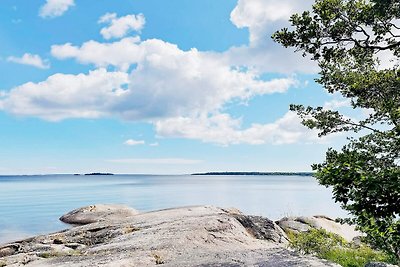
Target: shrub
(332,247)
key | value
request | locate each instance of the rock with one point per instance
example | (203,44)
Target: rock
(379,264)
(263,228)
(97,213)
(290,224)
(357,240)
(190,236)
(8,250)
(303,224)
(233,211)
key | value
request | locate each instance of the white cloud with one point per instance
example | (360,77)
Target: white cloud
(64,96)
(121,26)
(262,18)
(185,84)
(167,161)
(222,129)
(259,16)
(335,104)
(170,82)
(182,93)
(154,144)
(387,59)
(55,8)
(31,60)
(121,54)
(167,84)
(132,142)
(337,101)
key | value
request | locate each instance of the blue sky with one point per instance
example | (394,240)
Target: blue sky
(153,86)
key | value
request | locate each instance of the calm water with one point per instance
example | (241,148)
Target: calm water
(31,205)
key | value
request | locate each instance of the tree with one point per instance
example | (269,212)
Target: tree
(350,40)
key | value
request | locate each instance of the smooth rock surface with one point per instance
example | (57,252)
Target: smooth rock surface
(98,213)
(303,224)
(181,237)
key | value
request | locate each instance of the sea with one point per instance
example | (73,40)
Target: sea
(31,205)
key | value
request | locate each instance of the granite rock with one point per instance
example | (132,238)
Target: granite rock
(97,213)
(180,237)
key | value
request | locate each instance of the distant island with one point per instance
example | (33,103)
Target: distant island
(98,173)
(257,173)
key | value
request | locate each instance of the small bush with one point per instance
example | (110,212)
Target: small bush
(316,242)
(332,247)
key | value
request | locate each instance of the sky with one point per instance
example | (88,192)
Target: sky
(154,86)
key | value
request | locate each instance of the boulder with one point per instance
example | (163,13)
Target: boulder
(290,224)
(263,228)
(303,224)
(98,213)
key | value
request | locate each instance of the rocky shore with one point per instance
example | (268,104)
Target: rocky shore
(113,235)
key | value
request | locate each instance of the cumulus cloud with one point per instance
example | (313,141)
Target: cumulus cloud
(183,93)
(337,103)
(31,60)
(132,142)
(64,96)
(224,130)
(166,85)
(184,79)
(262,18)
(166,82)
(55,8)
(121,54)
(260,15)
(119,27)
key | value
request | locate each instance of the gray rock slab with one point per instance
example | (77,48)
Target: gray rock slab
(188,236)
(97,213)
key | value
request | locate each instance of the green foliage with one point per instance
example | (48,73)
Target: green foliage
(356,257)
(347,38)
(332,247)
(318,242)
